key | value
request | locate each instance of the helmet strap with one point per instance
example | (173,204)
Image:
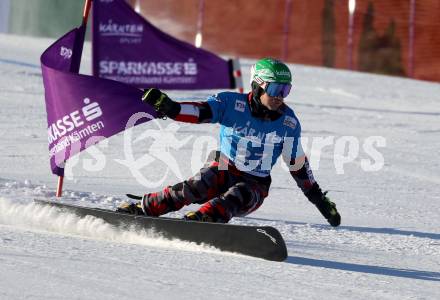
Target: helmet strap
(257,90)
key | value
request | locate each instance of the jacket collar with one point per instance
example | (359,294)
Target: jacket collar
(258,110)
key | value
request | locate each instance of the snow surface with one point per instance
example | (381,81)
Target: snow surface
(388,246)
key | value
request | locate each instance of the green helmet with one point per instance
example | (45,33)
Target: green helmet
(270,70)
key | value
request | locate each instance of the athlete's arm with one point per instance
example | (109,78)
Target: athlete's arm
(194,112)
(301,172)
(190,112)
(304,179)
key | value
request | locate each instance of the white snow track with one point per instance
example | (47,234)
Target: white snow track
(388,246)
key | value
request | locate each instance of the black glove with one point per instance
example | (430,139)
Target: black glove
(161,103)
(326,207)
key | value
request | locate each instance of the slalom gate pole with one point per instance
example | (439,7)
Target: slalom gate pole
(87,6)
(199,33)
(86,11)
(236,73)
(60,186)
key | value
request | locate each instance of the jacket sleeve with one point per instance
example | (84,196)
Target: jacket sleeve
(210,111)
(301,172)
(194,112)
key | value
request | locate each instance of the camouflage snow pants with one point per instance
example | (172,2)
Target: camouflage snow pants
(223,191)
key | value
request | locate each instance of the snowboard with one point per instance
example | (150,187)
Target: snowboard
(258,241)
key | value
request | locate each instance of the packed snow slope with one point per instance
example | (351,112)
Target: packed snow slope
(380,165)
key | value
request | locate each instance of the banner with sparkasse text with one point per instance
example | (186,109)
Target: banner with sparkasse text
(82,110)
(129,49)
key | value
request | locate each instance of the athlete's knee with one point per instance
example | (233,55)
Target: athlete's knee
(250,198)
(245,191)
(243,194)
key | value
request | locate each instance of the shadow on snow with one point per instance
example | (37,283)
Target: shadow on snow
(380,230)
(405,273)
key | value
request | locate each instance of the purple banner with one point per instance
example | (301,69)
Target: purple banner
(129,49)
(81,109)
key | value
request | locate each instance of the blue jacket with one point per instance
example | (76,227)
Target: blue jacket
(253,145)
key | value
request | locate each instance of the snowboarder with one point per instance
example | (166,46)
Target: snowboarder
(256,129)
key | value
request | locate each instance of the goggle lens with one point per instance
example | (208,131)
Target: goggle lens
(275,89)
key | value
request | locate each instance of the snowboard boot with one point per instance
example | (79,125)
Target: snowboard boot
(329,211)
(132,208)
(198,216)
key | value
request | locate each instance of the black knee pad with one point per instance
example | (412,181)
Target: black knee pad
(245,192)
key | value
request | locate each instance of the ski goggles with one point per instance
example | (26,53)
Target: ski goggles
(275,89)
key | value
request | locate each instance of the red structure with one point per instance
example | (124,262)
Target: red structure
(317,31)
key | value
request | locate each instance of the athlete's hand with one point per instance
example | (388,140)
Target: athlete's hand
(161,103)
(324,205)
